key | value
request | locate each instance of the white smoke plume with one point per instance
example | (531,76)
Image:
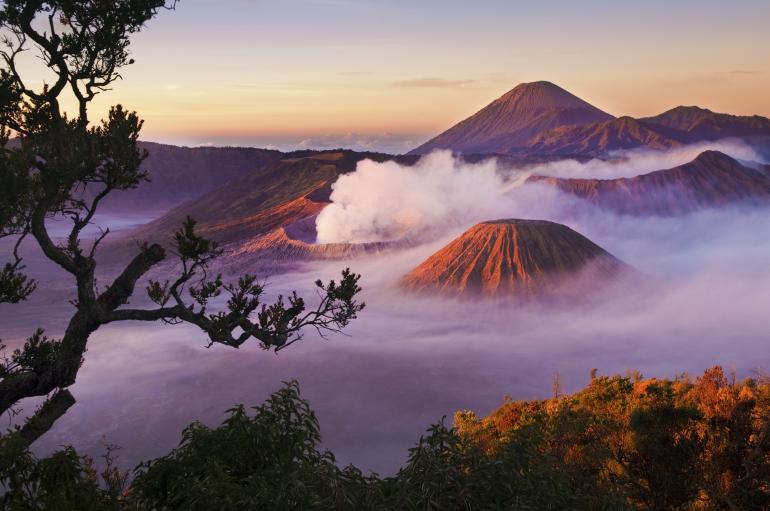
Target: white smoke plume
(410,360)
(388,201)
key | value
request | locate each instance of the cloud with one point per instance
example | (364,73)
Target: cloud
(629,163)
(745,72)
(387,201)
(431,83)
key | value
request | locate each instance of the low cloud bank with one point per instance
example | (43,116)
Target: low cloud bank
(641,161)
(407,361)
(387,201)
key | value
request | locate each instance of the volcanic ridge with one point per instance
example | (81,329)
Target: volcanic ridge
(541,118)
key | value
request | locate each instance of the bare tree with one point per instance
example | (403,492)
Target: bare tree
(56,165)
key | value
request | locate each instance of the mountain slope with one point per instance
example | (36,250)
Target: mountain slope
(690,124)
(179,174)
(258,202)
(289,246)
(600,138)
(511,121)
(712,179)
(518,258)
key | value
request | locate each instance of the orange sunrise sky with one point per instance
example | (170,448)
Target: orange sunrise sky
(388,75)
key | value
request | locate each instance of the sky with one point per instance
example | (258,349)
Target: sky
(389,75)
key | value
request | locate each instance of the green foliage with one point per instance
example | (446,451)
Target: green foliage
(191,247)
(62,482)
(268,460)
(14,285)
(618,444)
(666,447)
(656,444)
(37,354)
(449,471)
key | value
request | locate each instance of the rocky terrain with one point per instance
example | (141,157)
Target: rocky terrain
(179,174)
(272,196)
(711,180)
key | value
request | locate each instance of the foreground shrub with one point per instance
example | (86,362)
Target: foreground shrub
(620,443)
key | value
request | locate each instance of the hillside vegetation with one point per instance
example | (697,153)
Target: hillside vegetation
(623,442)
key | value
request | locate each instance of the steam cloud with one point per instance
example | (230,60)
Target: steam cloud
(388,201)
(409,360)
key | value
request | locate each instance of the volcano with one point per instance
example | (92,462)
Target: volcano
(509,123)
(540,118)
(519,258)
(713,179)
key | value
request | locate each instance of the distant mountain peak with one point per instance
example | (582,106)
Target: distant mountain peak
(687,109)
(713,179)
(712,155)
(542,94)
(694,124)
(626,119)
(513,119)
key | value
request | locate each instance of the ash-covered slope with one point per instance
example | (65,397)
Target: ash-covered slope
(510,122)
(598,139)
(179,174)
(690,124)
(711,180)
(676,127)
(258,202)
(287,247)
(519,258)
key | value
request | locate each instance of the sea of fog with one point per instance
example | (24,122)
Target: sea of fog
(408,361)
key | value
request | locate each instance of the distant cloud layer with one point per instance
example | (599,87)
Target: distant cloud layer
(390,143)
(431,83)
(410,360)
